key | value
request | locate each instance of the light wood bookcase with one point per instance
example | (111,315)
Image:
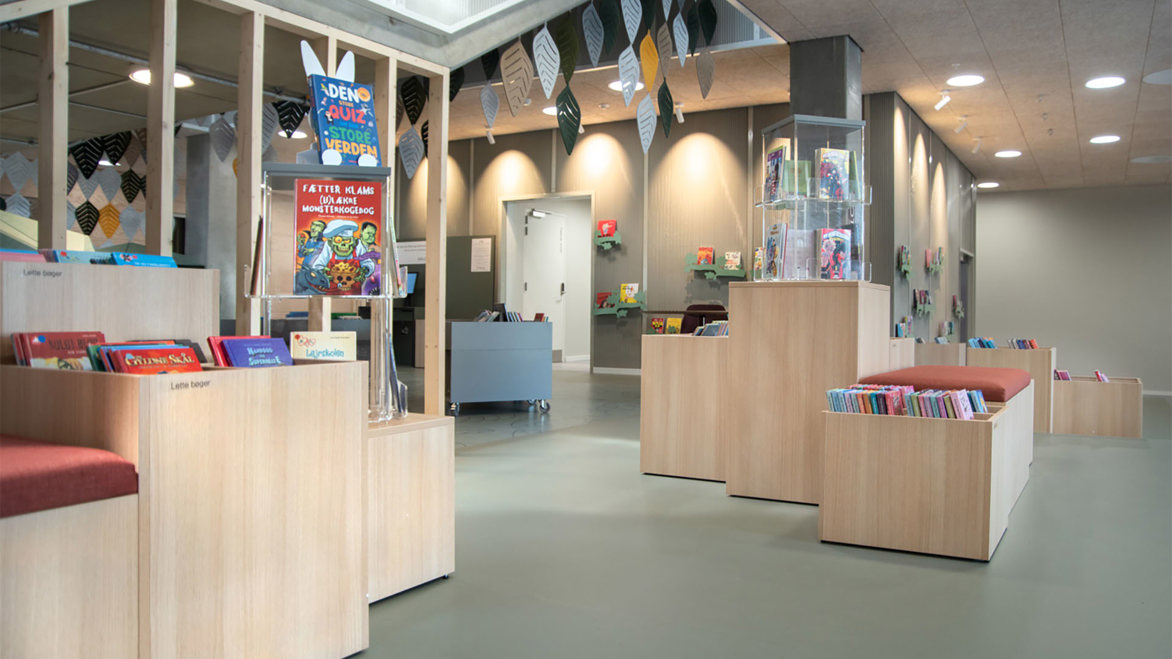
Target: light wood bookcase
(941,354)
(903,353)
(1040,363)
(789,342)
(681,405)
(1085,406)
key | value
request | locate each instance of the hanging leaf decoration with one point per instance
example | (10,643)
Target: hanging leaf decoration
(547,60)
(133,150)
(628,73)
(693,28)
(645,116)
(455,82)
(491,103)
(593,32)
(87,217)
(87,186)
(423,136)
(569,119)
(222,135)
(86,154)
(141,134)
(410,151)
(566,37)
(115,145)
(269,121)
(4,206)
(19,169)
(667,108)
(680,28)
(649,14)
(490,62)
(611,16)
(413,93)
(708,19)
(667,9)
(18,205)
(108,219)
(663,46)
(400,112)
(71,175)
(705,71)
(632,18)
(108,179)
(132,221)
(289,115)
(131,185)
(650,60)
(517,73)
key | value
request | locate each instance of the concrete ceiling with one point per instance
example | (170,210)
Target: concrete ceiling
(1035,56)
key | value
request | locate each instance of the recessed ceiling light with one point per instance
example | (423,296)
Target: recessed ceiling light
(105,162)
(143,77)
(1008,153)
(297,135)
(1105,82)
(965,80)
(987,185)
(551,110)
(1151,160)
(617,86)
(1159,77)
(1104,139)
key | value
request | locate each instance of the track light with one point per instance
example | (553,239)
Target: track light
(976,147)
(680,112)
(964,122)
(488,134)
(945,99)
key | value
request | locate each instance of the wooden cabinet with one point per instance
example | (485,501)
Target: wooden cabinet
(1085,406)
(941,354)
(1040,363)
(789,342)
(903,354)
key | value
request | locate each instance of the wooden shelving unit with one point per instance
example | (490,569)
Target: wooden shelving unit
(942,354)
(1085,406)
(1040,363)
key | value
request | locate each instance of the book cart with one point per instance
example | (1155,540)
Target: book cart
(495,361)
(1040,362)
(1085,406)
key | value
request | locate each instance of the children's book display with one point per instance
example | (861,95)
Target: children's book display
(835,253)
(774,251)
(934,260)
(1101,376)
(21,255)
(922,301)
(715,328)
(903,329)
(834,174)
(705,255)
(337,228)
(249,351)
(1061,375)
(619,303)
(107,258)
(705,260)
(903,260)
(902,400)
(60,350)
(982,342)
(1023,344)
(606,234)
(658,325)
(335,346)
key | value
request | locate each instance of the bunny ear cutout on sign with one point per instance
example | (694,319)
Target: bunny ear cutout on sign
(593,32)
(345,70)
(547,59)
(650,60)
(645,116)
(667,108)
(680,30)
(628,73)
(455,82)
(490,62)
(490,103)
(115,145)
(413,93)
(410,151)
(566,37)
(705,71)
(632,18)
(289,115)
(611,16)
(569,119)
(309,61)
(708,18)
(517,72)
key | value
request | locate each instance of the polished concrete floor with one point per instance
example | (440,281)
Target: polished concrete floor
(564,550)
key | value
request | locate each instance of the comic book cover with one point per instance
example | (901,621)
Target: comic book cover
(60,350)
(835,252)
(774,252)
(674,325)
(607,228)
(253,352)
(833,173)
(774,163)
(658,325)
(705,255)
(343,119)
(338,229)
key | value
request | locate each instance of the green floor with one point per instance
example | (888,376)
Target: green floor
(564,550)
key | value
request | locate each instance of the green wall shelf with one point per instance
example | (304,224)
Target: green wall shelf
(608,242)
(621,309)
(712,271)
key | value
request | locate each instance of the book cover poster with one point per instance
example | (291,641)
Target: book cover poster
(658,325)
(732,261)
(758,261)
(344,121)
(774,163)
(774,252)
(607,228)
(602,300)
(338,237)
(674,325)
(833,173)
(705,255)
(835,252)
(627,293)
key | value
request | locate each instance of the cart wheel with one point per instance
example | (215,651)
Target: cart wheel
(454,409)
(532,402)
(544,405)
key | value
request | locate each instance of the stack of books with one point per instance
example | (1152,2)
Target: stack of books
(249,351)
(982,342)
(1023,344)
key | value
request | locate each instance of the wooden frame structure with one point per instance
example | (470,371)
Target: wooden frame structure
(254,16)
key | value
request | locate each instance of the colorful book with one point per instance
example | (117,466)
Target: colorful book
(627,293)
(607,228)
(758,262)
(150,360)
(774,251)
(337,233)
(674,325)
(835,252)
(253,352)
(75,256)
(833,173)
(343,119)
(143,260)
(216,344)
(774,165)
(602,300)
(732,261)
(21,255)
(705,256)
(335,346)
(658,325)
(1101,376)
(60,350)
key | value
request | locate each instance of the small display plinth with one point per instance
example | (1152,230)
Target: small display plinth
(1085,406)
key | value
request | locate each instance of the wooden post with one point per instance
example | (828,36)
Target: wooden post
(160,196)
(435,321)
(319,305)
(249,122)
(53,99)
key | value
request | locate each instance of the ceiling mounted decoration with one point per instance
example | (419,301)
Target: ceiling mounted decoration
(86,154)
(593,32)
(708,18)
(628,73)
(132,220)
(649,14)
(666,108)
(667,5)
(680,28)
(664,46)
(20,170)
(3,204)
(517,73)
(289,115)
(269,122)
(569,119)
(566,37)
(423,137)
(115,145)
(108,219)
(455,82)
(610,15)
(136,151)
(222,135)
(141,134)
(705,71)
(649,59)
(131,185)
(109,181)
(18,205)
(400,112)
(491,104)
(547,60)
(87,217)
(645,116)
(693,22)
(413,93)
(490,62)
(410,151)
(71,175)
(632,17)
(87,186)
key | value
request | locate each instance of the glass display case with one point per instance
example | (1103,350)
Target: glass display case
(813,200)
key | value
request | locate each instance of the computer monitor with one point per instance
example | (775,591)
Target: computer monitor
(411,282)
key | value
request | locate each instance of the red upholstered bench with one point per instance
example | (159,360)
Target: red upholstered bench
(997,384)
(40,475)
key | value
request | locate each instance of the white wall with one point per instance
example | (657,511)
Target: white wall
(1088,271)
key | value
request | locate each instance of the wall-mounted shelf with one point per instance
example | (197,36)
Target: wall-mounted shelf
(608,242)
(711,270)
(621,309)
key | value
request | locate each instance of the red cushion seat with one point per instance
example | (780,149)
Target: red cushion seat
(997,384)
(40,475)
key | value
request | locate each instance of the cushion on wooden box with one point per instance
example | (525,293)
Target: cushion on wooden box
(41,475)
(997,384)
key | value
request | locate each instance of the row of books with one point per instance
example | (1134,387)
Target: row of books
(902,400)
(982,342)
(787,251)
(715,328)
(78,256)
(249,351)
(666,325)
(707,256)
(1023,344)
(1065,375)
(837,174)
(869,399)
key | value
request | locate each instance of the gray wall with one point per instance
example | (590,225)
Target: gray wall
(1088,271)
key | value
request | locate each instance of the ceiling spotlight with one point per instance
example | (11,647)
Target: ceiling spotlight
(604,106)
(297,135)
(976,147)
(488,135)
(680,112)
(1008,153)
(1105,82)
(988,185)
(965,80)
(143,77)
(551,110)
(581,129)
(945,99)
(617,86)
(1104,139)
(964,122)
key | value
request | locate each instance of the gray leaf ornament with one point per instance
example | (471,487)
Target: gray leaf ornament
(645,116)
(628,73)
(680,29)
(269,122)
(517,74)
(663,45)
(223,137)
(547,59)
(71,174)
(491,104)
(410,151)
(705,71)
(593,31)
(19,169)
(632,17)
(109,180)
(18,205)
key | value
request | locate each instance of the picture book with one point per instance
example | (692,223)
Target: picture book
(833,173)
(335,346)
(21,255)
(774,164)
(216,344)
(1061,374)
(74,256)
(1101,376)
(835,251)
(252,352)
(658,325)
(60,350)
(758,261)
(800,254)
(539,317)
(705,255)
(602,300)
(607,228)
(338,232)
(627,293)
(143,260)
(147,360)
(99,353)
(343,119)
(732,261)
(774,251)
(673,325)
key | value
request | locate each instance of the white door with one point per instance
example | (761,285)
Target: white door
(544,273)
